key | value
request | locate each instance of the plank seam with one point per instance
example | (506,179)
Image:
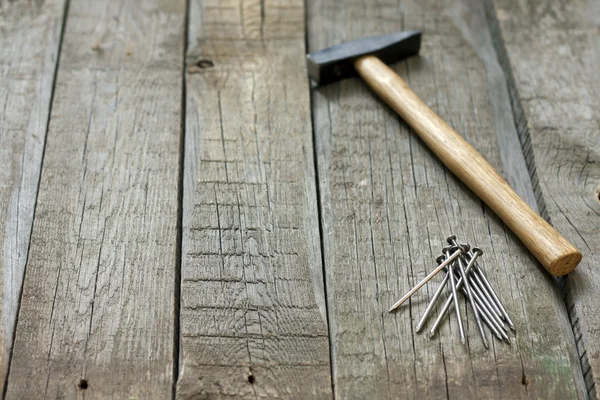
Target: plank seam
(177,353)
(319,206)
(524,135)
(322,245)
(50,104)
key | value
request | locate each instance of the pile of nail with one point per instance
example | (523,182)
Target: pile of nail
(465,275)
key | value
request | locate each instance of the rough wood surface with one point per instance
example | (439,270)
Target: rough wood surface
(98,317)
(552,50)
(29,43)
(387,207)
(253,320)
(97,311)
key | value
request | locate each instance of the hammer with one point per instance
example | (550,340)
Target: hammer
(368,58)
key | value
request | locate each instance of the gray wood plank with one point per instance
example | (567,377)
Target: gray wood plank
(387,207)
(552,50)
(469,18)
(29,43)
(97,312)
(253,320)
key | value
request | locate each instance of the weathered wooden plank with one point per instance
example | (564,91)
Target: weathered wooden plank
(29,43)
(253,321)
(97,311)
(387,207)
(469,18)
(552,52)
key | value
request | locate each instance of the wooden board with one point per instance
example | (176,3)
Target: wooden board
(387,207)
(552,52)
(253,320)
(29,42)
(97,311)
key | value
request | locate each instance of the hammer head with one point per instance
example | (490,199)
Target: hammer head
(337,62)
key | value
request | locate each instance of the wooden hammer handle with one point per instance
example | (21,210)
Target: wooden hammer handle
(552,250)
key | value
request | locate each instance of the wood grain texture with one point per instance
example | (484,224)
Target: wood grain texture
(469,18)
(552,250)
(97,311)
(387,207)
(253,320)
(552,51)
(29,43)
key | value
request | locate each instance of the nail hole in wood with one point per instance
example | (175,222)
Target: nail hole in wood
(205,64)
(524,380)
(251,379)
(598,193)
(83,384)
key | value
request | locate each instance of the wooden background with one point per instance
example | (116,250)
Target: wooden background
(182,214)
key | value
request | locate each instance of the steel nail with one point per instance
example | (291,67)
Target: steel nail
(456,303)
(479,273)
(449,300)
(484,292)
(484,295)
(436,295)
(495,297)
(467,286)
(427,278)
(496,327)
(490,322)
(492,317)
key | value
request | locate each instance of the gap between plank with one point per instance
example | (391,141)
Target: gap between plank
(50,103)
(524,135)
(319,208)
(179,255)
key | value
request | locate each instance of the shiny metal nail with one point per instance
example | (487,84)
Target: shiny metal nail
(475,309)
(456,303)
(491,317)
(435,297)
(485,297)
(412,291)
(478,273)
(449,300)
(495,297)
(487,315)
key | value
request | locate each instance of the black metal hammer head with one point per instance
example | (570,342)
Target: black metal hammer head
(337,62)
